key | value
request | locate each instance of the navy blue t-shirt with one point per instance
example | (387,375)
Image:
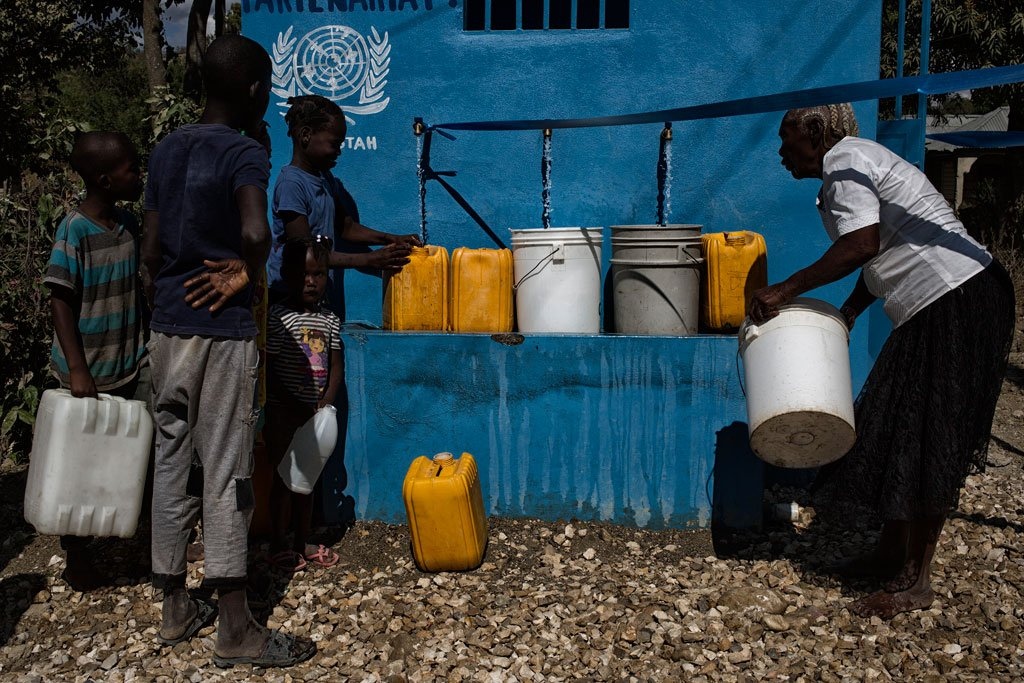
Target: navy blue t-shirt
(324,201)
(193,176)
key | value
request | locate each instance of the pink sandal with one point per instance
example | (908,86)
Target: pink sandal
(323,557)
(288,561)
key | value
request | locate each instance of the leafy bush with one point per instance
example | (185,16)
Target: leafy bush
(28,220)
(171,110)
(109,97)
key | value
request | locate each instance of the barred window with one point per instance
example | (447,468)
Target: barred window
(541,15)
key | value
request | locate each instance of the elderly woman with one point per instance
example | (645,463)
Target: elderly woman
(925,413)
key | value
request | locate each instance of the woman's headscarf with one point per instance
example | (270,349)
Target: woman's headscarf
(837,121)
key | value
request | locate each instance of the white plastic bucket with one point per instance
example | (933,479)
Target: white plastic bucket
(657,297)
(656,279)
(796,370)
(558,280)
(88,466)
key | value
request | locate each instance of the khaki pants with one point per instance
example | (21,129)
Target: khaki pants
(203,404)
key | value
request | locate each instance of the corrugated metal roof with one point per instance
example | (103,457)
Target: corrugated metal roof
(996,120)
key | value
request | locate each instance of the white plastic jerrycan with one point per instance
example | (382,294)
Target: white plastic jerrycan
(88,465)
(309,450)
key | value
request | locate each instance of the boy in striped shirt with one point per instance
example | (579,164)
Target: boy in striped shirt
(94,294)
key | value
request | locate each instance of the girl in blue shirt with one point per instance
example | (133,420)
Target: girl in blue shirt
(310,201)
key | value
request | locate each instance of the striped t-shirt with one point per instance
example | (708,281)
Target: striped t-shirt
(100,267)
(299,346)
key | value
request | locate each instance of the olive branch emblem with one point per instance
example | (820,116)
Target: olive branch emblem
(336,62)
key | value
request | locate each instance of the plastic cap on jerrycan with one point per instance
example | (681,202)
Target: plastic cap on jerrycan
(309,451)
(796,369)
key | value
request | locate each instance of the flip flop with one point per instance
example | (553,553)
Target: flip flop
(281,649)
(288,561)
(323,557)
(205,614)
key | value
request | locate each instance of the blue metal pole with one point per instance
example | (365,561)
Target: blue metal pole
(922,99)
(901,35)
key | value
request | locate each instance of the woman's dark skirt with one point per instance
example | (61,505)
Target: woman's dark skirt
(925,413)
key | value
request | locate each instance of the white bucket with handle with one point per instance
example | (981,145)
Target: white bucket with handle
(558,280)
(796,370)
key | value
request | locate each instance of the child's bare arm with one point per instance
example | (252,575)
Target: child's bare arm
(65,326)
(392,257)
(358,233)
(333,380)
(150,265)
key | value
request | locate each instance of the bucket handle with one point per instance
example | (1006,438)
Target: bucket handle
(750,333)
(681,252)
(558,249)
(739,372)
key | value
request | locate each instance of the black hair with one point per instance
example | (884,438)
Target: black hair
(96,153)
(312,111)
(293,254)
(232,64)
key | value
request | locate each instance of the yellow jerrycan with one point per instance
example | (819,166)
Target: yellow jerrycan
(481,292)
(736,266)
(416,297)
(446,512)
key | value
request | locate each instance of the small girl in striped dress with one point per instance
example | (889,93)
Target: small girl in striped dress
(304,373)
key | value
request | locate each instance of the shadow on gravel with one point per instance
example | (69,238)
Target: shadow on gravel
(16,594)
(17,532)
(1015,374)
(268,585)
(813,550)
(1006,445)
(745,528)
(997,522)
(124,561)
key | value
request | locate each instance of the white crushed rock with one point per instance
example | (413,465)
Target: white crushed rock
(565,602)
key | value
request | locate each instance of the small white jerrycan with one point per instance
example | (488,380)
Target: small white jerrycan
(309,450)
(88,465)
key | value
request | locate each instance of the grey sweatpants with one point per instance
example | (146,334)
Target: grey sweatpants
(203,403)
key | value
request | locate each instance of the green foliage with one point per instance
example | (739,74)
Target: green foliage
(233,19)
(28,220)
(39,40)
(111,97)
(171,109)
(969,34)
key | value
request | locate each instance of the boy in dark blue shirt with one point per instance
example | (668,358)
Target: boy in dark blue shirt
(205,241)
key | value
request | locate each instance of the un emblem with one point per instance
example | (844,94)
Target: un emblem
(334,61)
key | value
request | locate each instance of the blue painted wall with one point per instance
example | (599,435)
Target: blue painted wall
(726,176)
(592,427)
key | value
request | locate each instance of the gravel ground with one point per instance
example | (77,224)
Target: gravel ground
(563,601)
